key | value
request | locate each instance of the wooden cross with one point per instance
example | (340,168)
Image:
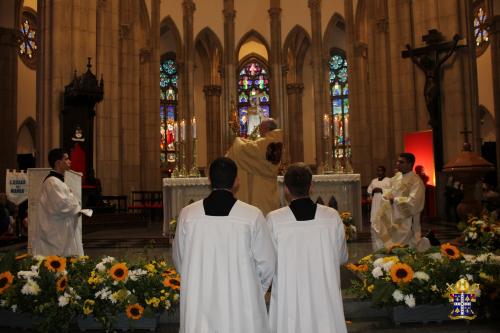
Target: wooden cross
(430,59)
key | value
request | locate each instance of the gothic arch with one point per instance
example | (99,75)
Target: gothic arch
(334,35)
(28,124)
(168,26)
(209,47)
(295,48)
(253,34)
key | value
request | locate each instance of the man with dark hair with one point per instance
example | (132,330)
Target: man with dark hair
(57,232)
(225,256)
(398,219)
(375,190)
(258,164)
(310,243)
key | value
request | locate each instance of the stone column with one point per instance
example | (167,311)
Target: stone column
(318,84)
(63,48)
(295,128)
(276,88)
(8,96)
(212,100)
(230,67)
(188,8)
(495,60)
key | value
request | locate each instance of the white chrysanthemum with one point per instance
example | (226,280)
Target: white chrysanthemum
(114,297)
(435,256)
(100,267)
(398,295)
(103,293)
(176,297)
(39,258)
(30,288)
(469,277)
(107,260)
(377,272)
(136,273)
(378,262)
(63,300)
(13,308)
(410,301)
(167,304)
(421,276)
(483,257)
(26,275)
(468,257)
(387,265)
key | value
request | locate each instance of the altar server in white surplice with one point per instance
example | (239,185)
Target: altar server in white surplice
(375,190)
(58,231)
(310,243)
(225,256)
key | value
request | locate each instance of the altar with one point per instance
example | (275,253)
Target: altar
(346,188)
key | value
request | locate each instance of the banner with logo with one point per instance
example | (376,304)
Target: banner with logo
(16,186)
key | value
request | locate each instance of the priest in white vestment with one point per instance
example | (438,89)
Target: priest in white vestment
(258,163)
(398,219)
(310,242)
(375,190)
(58,231)
(225,256)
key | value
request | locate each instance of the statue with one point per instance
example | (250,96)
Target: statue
(255,114)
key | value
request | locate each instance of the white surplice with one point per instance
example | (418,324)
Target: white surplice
(399,223)
(226,265)
(58,231)
(385,183)
(306,295)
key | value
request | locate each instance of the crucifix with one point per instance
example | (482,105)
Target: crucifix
(430,59)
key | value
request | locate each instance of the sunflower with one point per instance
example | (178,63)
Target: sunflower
(357,268)
(172,283)
(55,263)
(134,311)
(88,306)
(6,279)
(401,273)
(452,252)
(61,283)
(169,272)
(119,272)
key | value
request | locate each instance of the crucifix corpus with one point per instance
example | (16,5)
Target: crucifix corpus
(430,59)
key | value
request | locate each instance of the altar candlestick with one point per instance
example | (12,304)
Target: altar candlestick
(193,123)
(183,130)
(176,132)
(326,126)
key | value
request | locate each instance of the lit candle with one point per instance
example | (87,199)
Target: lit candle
(183,130)
(346,127)
(176,132)
(326,126)
(193,123)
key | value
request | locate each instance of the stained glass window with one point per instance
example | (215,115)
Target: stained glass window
(28,47)
(481,28)
(168,112)
(253,95)
(339,93)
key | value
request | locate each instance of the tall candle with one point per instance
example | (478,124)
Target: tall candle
(326,126)
(176,132)
(193,123)
(183,130)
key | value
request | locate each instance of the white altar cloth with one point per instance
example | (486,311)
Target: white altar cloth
(180,192)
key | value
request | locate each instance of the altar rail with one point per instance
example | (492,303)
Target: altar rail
(180,192)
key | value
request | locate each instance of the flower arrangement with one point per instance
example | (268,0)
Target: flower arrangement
(481,233)
(60,289)
(403,276)
(350,228)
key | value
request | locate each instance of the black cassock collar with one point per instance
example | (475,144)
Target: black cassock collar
(55,174)
(219,203)
(303,209)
